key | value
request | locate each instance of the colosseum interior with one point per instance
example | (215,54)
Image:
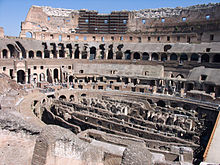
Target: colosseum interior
(129,87)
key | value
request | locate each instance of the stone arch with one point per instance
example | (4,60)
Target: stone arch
(5,53)
(76,53)
(61,54)
(29,35)
(180,76)
(216,58)
(110,52)
(137,56)
(173,57)
(119,55)
(23,51)
(164,57)
(71,98)
(21,76)
(92,53)
(71,79)
(183,57)
(39,54)
(62,97)
(194,57)
(42,77)
(127,55)
(31,54)
(49,78)
(83,95)
(55,74)
(145,56)
(161,103)
(13,52)
(205,58)
(35,77)
(155,57)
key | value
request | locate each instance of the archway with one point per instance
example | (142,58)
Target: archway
(71,98)
(183,57)
(92,53)
(39,54)
(119,55)
(13,52)
(205,58)
(194,57)
(61,54)
(62,98)
(76,53)
(164,57)
(5,53)
(137,55)
(145,56)
(71,79)
(21,77)
(42,77)
(55,74)
(179,76)
(127,55)
(110,52)
(30,54)
(28,35)
(216,58)
(154,57)
(173,57)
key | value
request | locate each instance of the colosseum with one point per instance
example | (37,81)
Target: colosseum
(125,88)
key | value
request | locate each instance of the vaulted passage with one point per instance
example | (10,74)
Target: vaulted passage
(5,53)
(137,55)
(183,57)
(163,57)
(155,57)
(92,53)
(205,58)
(145,56)
(194,57)
(216,58)
(21,77)
(30,54)
(127,55)
(173,57)
(39,54)
(110,52)
(55,74)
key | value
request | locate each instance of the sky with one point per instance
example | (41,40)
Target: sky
(13,12)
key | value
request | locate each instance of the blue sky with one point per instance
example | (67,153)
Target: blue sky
(13,12)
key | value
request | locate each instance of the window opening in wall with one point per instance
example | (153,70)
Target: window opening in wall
(81,71)
(28,35)
(11,73)
(188,39)
(139,39)
(211,37)
(76,37)
(207,17)
(112,38)
(163,20)
(67,20)
(168,38)
(68,37)
(48,18)
(208,49)
(158,38)
(121,38)
(143,21)
(105,21)
(148,38)
(203,77)
(85,38)
(124,21)
(93,38)
(60,38)
(35,67)
(184,19)
(4,68)
(131,38)
(178,38)
(102,39)
(116,88)
(51,36)
(86,21)
(69,67)
(41,67)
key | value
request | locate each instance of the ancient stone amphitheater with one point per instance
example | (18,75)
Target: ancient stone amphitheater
(129,87)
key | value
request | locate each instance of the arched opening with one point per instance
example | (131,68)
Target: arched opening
(30,54)
(42,77)
(55,74)
(173,57)
(71,79)
(39,54)
(61,54)
(83,95)
(164,57)
(13,52)
(205,58)
(28,35)
(145,56)
(155,57)
(110,52)
(127,55)
(194,57)
(49,78)
(62,98)
(119,55)
(161,103)
(92,53)
(84,54)
(21,77)
(183,57)
(179,76)
(35,78)
(216,58)
(76,53)
(5,53)
(137,56)
(72,98)
(23,51)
